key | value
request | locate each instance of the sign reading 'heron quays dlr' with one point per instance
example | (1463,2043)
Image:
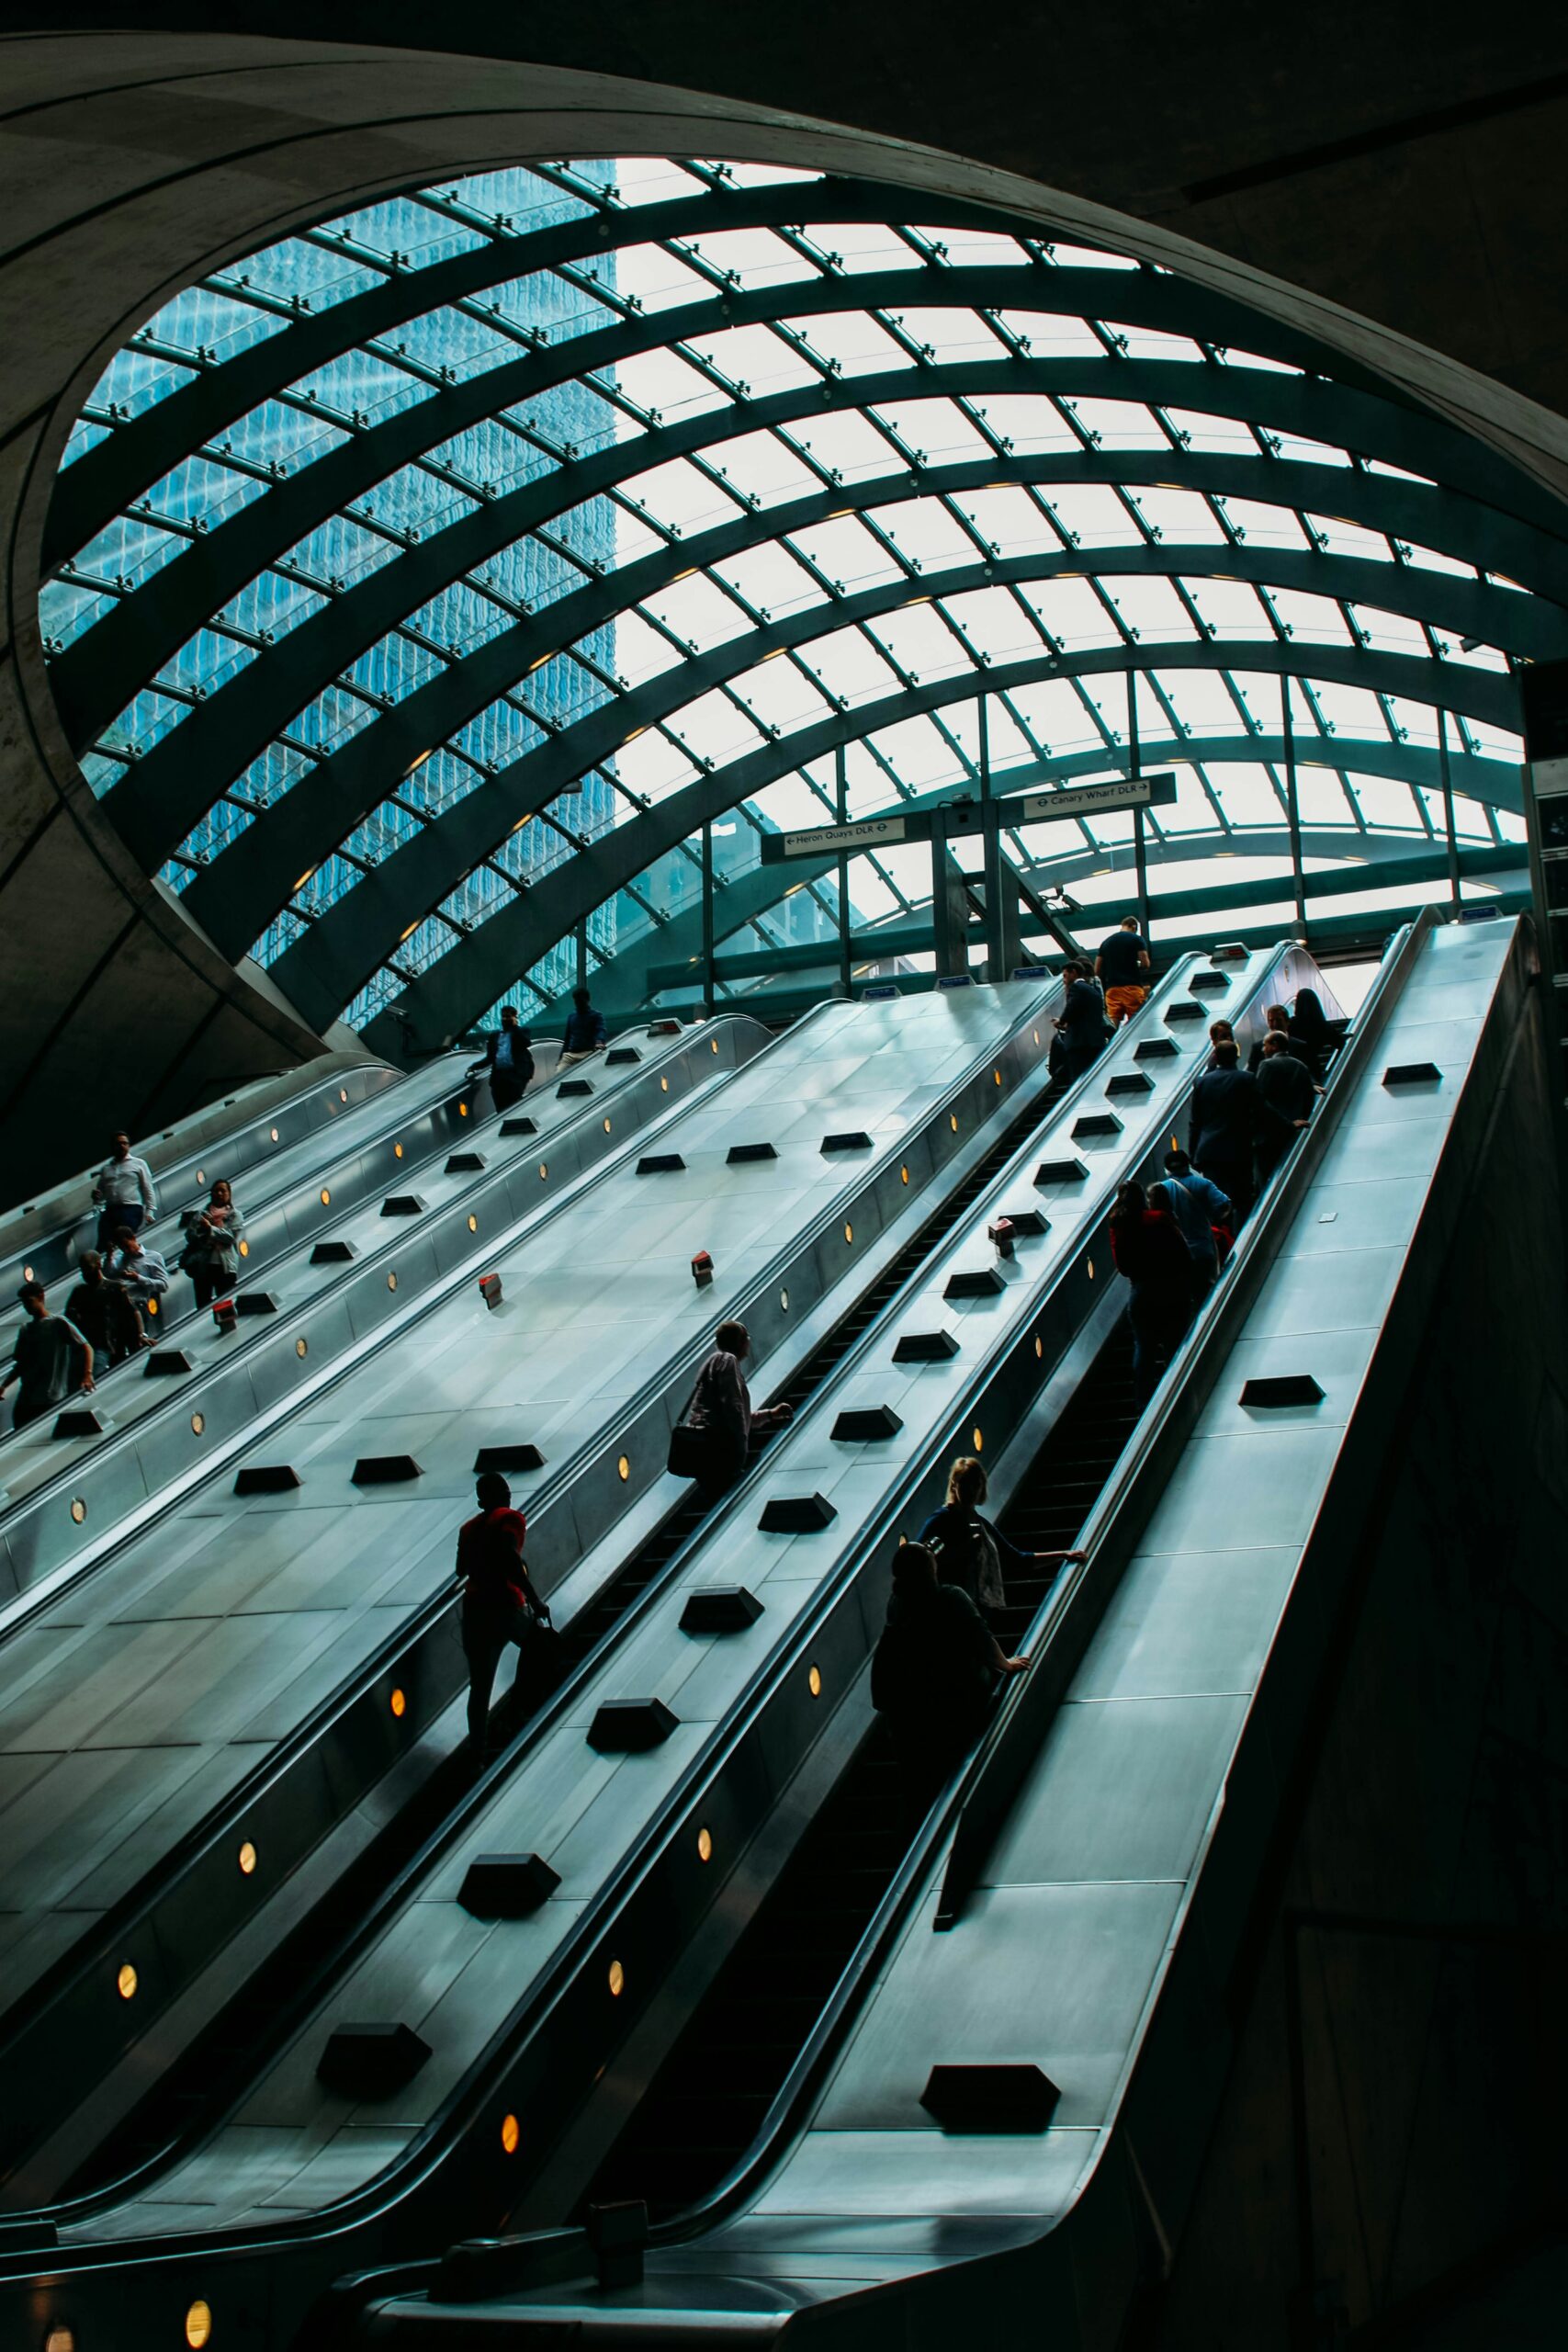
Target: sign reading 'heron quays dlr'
(1156,791)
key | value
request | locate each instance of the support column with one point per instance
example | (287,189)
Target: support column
(1455,893)
(1293,814)
(1135,769)
(707,918)
(950,906)
(843,809)
(997,964)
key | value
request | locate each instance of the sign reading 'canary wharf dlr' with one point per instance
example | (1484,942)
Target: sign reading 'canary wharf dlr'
(972,817)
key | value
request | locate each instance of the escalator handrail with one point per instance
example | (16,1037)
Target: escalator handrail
(1189,1378)
(218,1826)
(116,1376)
(1207,1344)
(59,1480)
(111,1925)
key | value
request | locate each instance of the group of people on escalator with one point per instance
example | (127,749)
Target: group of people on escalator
(120,1285)
(1172,1241)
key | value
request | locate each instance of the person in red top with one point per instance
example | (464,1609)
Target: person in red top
(1149,1248)
(500,1604)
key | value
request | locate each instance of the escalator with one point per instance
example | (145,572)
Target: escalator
(340,1749)
(706,2104)
(1022,1319)
(211,2071)
(1096,1866)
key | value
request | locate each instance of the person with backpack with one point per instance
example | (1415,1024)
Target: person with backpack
(1202,1214)
(969,1551)
(500,1604)
(934,1668)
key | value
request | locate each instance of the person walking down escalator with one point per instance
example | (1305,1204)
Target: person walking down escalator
(970,1551)
(585,1031)
(713,1437)
(1149,1248)
(1081,1023)
(508,1063)
(213,1235)
(500,1604)
(933,1671)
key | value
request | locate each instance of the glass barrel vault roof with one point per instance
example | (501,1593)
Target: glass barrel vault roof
(420,583)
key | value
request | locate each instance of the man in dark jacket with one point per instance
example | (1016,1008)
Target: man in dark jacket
(508,1063)
(1224,1126)
(103,1313)
(935,1666)
(1286,1092)
(1081,1022)
(585,1031)
(500,1604)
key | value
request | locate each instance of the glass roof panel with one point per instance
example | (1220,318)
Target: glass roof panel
(849,343)
(1080,445)
(846,447)
(921,642)
(844,551)
(856,246)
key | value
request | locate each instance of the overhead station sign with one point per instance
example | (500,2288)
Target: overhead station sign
(1090,800)
(835,840)
(1156,791)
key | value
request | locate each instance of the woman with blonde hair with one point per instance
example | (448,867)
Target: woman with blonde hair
(969,1551)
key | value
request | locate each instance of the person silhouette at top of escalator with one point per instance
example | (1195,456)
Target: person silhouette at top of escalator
(585,1031)
(508,1063)
(1081,1023)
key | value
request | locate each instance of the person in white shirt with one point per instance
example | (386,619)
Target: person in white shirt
(125,1192)
(140,1272)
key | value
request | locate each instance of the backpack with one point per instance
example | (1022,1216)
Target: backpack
(969,1558)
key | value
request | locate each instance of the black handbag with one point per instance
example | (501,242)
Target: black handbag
(690,1449)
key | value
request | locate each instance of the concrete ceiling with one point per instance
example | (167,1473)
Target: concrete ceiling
(1403,158)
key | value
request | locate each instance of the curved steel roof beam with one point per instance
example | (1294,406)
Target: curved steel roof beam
(105,481)
(348,943)
(1382,424)
(623,987)
(463,983)
(165,794)
(243,889)
(101,672)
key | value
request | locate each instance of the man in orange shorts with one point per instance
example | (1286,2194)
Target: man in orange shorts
(1122,968)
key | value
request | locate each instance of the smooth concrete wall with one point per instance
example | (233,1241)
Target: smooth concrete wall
(1391,2123)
